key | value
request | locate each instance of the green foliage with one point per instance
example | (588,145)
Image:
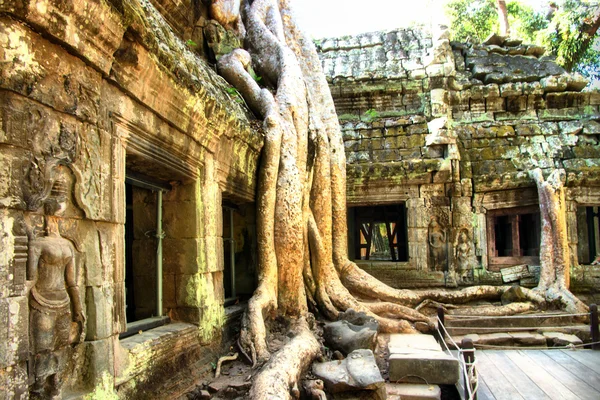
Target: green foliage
(191,43)
(562,31)
(566,37)
(237,97)
(526,23)
(254,75)
(471,20)
(370,115)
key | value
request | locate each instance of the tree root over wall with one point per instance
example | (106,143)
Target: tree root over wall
(301,208)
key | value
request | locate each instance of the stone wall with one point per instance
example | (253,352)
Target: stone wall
(92,91)
(452,130)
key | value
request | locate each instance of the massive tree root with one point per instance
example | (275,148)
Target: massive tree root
(554,246)
(301,206)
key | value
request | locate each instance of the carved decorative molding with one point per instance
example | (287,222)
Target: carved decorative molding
(144,144)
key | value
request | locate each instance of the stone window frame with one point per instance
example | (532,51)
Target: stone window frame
(132,139)
(496,262)
(154,321)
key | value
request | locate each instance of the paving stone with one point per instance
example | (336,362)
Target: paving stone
(418,358)
(412,391)
(495,339)
(557,339)
(528,339)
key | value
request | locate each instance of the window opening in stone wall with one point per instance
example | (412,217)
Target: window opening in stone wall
(143,226)
(379,232)
(588,234)
(239,249)
(514,236)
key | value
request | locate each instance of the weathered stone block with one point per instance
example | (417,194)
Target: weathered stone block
(570,127)
(14,382)
(30,67)
(407,391)
(99,360)
(181,220)
(511,89)
(99,307)
(565,100)
(493,104)
(563,114)
(14,332)
(183,256)
(516,103)
(554,83)
(76,26)
(417,358)
(591,127)
(558,339)
(532,88)
(213,250)
(528,339)
(186,314)
(357,372)
(519,115)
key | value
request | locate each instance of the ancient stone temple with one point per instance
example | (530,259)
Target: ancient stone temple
(440,138)
(128,176)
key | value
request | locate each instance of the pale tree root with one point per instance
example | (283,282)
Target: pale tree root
(222,360)
(495,311)
(279,377)
(554,244)
(301,207)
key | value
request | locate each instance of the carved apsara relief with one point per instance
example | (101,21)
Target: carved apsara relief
(56,317)
(438,244)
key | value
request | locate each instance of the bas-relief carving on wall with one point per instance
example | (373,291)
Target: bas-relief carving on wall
(438,249)
(56,318)
(464,255)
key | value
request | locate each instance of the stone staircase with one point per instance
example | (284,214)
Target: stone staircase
(535,330)
(417,365)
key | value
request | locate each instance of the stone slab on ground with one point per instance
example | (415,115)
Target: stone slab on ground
(417,358)
(561,339)
(502,339)
(412,391)
(357,372)
(524,339)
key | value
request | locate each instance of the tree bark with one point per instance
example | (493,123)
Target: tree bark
(554,244)
(503,17)
(301,208)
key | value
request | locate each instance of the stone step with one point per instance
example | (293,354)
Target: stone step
(412,391)
(486,324)
(418,358)
(518,339)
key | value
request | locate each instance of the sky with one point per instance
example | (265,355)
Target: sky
(328,18)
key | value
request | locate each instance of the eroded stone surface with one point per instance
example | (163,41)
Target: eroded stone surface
(559,339)
(351,332)
(418,358)
(408,391)
(356,372)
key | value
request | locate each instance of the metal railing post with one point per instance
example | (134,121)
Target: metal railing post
(468,351)
(594,327)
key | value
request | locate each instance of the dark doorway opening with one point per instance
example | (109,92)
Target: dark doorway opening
(379,233)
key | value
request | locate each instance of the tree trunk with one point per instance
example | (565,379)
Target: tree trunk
(503,17)
(554,244)
(301,207)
